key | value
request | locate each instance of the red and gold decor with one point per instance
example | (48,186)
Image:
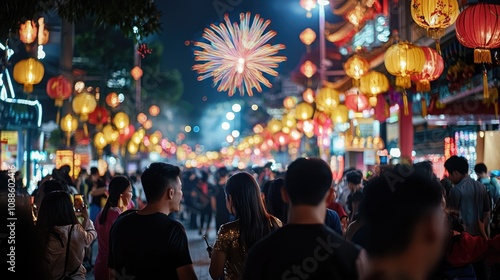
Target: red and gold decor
(477,27)
(99,117)
(28,72)
(404,60)
(433,68)
(84,104)
(435,16)
(59,89)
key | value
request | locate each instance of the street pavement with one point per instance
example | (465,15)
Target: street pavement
(197,248)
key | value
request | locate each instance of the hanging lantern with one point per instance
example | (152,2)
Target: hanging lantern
(132,148)
(403,60)
(84,104)
(374,83)
(28,32)
(433,68)
(304,111)
(100,142)
(68,125)
(435,16)
(126,134)
(289,102)
(136,73)
(142,118)
(327,99)
(43,34)
(289,121)
(274,125)
(112,100)
(110,133)
(340,114)
(308,95)
(154,110)
(356,67)
(477,28)
(307,37)
(99,117)
(121,120)
(308,5)
(308,69)
(356,15)
(59,89)
(356,101)
(28,72)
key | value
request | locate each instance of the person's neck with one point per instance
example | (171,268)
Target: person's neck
(401,267)
(157,207)
(307,214)
(356,188)
(484,176)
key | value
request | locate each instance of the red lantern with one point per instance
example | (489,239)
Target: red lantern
(433,68)
(322,119)
(477,28)
(356,101)
(99,117)
(59,89)
(126,135)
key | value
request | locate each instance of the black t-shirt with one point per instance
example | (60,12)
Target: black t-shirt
(354,197)
(145,246)
(96,199)
(222,216)
(302,252)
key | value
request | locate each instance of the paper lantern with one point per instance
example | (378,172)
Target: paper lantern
(43,34)
(327,99)
(308,69)
(308,95)
(100,141)
(28,32)
(132,148)
(274,125)
(435,16)
(59,89)
(136,73)
(307,36)
(68,125)
(308,5)
(112,100)
(356,101)
(142,118)
(99,117)
(477,27)
(289,121)
(340,114)
(304,111)
(289,102)
(374,83)
(110,133)
(154,110)
(28,72)
(121,120)
(83,104)
(403,60)
(356,67)
(433,68)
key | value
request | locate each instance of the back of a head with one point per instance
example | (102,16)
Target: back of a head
(158,177)
(244,192)
(54,185)
(456,163)
(307,181)
(116,187)
(480,168)
(393,204)
(354,177)
(56,209)
(94,171)
(222,172)
(277,207)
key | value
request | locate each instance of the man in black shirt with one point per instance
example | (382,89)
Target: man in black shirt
(97,193)
(148,244)
(219,198)
(354,181)
(305,248)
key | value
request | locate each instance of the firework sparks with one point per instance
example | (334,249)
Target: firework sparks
(237,55)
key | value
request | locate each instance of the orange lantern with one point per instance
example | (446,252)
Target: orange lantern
(308,5)
(289,102)
(112,100)
(28,32)
(308,69)
(435,16)
(142,118)
(43,34)
(136,73)
(307,36)
(59,89)
(356,101)
(356,67)
(308,95)
(154,110)
(327,99)
(28,72)
(433,68)
(304,111)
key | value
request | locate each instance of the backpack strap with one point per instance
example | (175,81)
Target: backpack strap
(67,251)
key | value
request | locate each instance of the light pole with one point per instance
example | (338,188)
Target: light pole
(322,43)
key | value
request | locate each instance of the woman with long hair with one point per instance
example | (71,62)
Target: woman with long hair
(252,223)
(61,239)
(119,196)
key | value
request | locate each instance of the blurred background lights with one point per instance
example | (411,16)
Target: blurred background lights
(235,133)
(236,108)
(225,125)
(230,116)
(255,107)
(187,128)
(196,129)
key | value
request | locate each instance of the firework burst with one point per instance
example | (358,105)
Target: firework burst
(237,55)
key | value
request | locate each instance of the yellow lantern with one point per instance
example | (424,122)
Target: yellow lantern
(132,148)
(308,95)
(154,110)
(28,32)
(340,114)
(28,72)
(327,99)
(289,102)
(435,16)
(121,120)
(403,60)
(356,67)
(373,83)
(304,111)
(274,125)
(307,36)
(110,134)
(68,125)
(83,104)
(289,121)
(100,142)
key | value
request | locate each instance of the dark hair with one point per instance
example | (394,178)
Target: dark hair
(455,220)
(276,206)
(480,168)
(249,208)
(54,185)
(222,172)
(393,204)
(94,171)
(307,180)
(116,187)
(354,177)
(157,178)
(456,163)
(447,185)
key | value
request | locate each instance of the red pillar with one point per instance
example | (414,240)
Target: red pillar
(406,132)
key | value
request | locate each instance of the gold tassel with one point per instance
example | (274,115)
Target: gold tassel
(482,56)
(387,109)
(486,94)
(405,103)
(438,47)
(423,86)
(424,107)
(85,129)
(403,82)
(68,136)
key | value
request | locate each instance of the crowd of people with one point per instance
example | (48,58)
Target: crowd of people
(402,222)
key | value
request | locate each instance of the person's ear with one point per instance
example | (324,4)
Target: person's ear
(284,196)
(170,193)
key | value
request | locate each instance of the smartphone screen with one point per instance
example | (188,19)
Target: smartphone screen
(78,202)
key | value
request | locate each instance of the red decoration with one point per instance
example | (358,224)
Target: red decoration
(143,50)
(126,134)
(99,117)
(81,138)
(433,68)
(323,119)
(59,89)
(356,101)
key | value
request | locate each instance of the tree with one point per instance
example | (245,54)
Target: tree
(137,18)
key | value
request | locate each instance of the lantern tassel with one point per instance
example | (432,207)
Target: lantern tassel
(58,115)
(68,136)
(482,56)
(438,47)
(423,86)
(85,129)
(405,103)
(486,94)
(424,107)
(403,82)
